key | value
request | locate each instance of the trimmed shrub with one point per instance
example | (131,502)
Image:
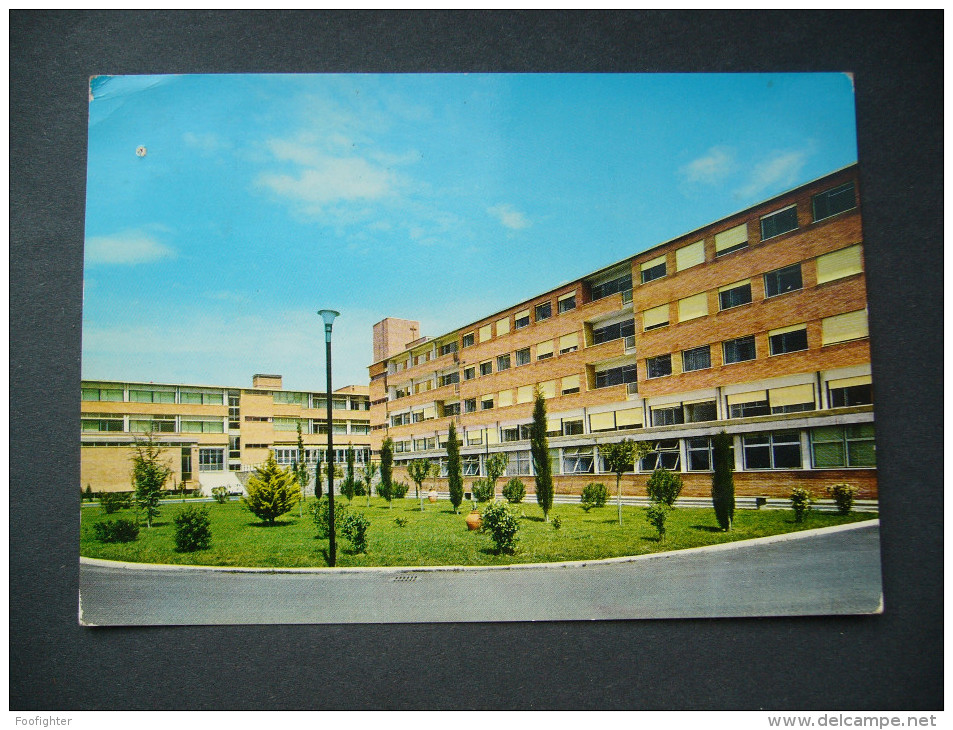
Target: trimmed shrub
(656,515)
(114,501)
(220,494)
(320,512)
(557,523)
(843,495)
(398,490)
(354,527)
(514,491)
(482,490)
(502,524)
(664,487)
(801,501)
(595,494)
(272,491)
(118,530)
(192,529)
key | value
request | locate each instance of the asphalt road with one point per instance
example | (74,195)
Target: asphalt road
(821,572)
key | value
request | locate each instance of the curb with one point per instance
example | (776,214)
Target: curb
(386,570)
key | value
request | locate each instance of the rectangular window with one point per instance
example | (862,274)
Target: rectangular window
(846,392)
(211,459)
(569,343)
(486,332)
(777,223)
(449,379)
(96,423)
(782,280)
(451,409)
(652,270)
(522,357)
(165,424)
(572,427)
(699,452)
(843,446)
(577,460)
(690,255)
(659,367)
(567,302)
(469,373)
(601,422)
(524,394)
(667,416)
(792,399)
(739,350)
(521,319)
(615,376)
(655,317)
(202,397)
(469,405)
(570,384)
(103,394)
(734,239)
(749,408)
(448,348)
(608,288)
(510,434)
(210,426)
(486,403)
(838,264)
(787,339)
(734,295)
(700,412)
(628,418)
(613,332)
(834,201)
(502,363)
(518,464)
(544,311)
(470,464)
(693,307)
(502,326)
(664,455)
(844,327)
(468,340)
(152,396)
(288,397)
(698,358)
(781,450)
(544,350)
(486,367)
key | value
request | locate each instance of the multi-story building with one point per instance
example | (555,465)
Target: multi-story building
(755,325)
(210,434)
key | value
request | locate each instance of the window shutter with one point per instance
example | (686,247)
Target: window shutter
(570,340)
(692,307)
(564,297)
(849,382)
(791,395)
(570,381)
(506,398)
(733,286)
(690,255)
(524,394)
(474,437)
(548,389)
(486,332)
(521,315)
(602,421)
(554,424)
(654,262)
(544,348)
(430,412)
(628,417)
(839,264)
(752,397)
(785,330)
(654,317)
(731,237)
(492,436)
(502,326)
(844,327)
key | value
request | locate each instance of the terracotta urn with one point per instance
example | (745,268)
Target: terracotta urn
(474,520)
(432,496)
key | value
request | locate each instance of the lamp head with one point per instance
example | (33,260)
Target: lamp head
(328,316)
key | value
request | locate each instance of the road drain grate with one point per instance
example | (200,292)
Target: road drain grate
(404,578)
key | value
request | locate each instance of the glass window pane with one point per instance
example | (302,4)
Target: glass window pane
(861,453)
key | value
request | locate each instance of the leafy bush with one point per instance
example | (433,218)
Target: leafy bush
(557,523)
(118,530)
(398,490)
(664,487)
(843,495)
(320,512)
(594,495)
(192,529)
(400,521)
(354,527)
(114,501)
(220,494)
(502,524)
(88,494)
(514,491)
(482,490)
(656,515)
(272,491)
(801,501)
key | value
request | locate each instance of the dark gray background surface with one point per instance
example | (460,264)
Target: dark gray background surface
(893,661)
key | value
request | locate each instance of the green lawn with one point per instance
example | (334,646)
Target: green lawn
(437,536)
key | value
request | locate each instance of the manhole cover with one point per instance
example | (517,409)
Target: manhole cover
(404,578)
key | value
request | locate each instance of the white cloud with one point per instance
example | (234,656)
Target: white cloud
(207,143)
(712,167)
(508,216)
(781,169)
(127,248)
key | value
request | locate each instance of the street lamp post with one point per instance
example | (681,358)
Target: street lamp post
(328,316)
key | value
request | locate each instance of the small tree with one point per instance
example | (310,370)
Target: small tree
(301,468)
(656,515)
(370,471)
(419,470)
(495,468)
(454,469)
(502,524)
(354,527)
(482,490)
(664,487)
(539,448)
(514,491)
(843,495)
(722,481)
(801,501)
(149,475)
(621,457)
(349,486)
(272,491)
(595,494)
(387,467)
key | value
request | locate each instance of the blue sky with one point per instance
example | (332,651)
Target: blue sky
(442,198)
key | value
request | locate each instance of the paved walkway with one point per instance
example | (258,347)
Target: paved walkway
(827,571)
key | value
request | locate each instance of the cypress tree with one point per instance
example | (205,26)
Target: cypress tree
(387,466)
(317,478)
(454,469)
(722,481)
(539,446)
